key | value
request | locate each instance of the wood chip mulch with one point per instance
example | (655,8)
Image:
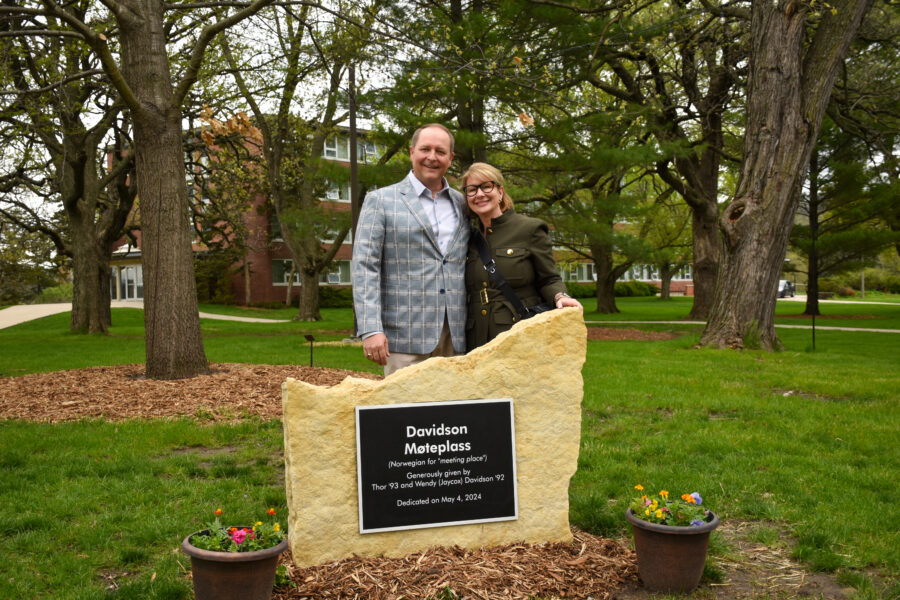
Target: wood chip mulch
(617,335)
(587,567)
(230,392)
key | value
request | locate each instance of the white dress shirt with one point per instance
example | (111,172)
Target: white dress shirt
(440,209)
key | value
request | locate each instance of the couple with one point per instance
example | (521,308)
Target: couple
(415,270)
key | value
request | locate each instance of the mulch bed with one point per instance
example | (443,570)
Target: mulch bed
(231,391)
(614,334)
(587,567)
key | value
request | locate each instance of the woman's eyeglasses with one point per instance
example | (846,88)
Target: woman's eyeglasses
(487,187)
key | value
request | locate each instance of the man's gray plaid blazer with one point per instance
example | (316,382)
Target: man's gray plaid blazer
(402,284)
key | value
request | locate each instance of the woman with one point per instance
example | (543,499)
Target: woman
(523,253)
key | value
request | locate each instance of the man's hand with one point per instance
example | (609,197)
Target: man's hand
(376,348)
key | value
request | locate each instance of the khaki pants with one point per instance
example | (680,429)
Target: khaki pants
(398,360)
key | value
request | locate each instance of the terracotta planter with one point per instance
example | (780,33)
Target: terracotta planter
(233,575)
(671,559)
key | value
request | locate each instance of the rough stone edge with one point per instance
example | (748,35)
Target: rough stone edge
(526,339)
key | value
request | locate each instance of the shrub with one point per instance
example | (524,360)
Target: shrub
(335,297)
(828,284)
(845,291)
(268,305)
(889,284)
(581,290)
(635,289)
(621,289)
(55,294)
(329,297)
(212,273)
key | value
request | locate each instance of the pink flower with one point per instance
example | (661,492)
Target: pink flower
(239,536)
(647,502)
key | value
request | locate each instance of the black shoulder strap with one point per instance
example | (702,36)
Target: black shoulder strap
(491,267)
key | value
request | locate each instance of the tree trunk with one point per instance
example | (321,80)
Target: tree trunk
(707,249)
(174,345)
(787,96)
(246,279)
(309,297)
(290,285)
(90,287)
(606,280)
(666,272)
(469,101)
(606,296)
(812,281)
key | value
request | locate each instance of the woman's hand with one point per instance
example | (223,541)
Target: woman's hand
(564,300)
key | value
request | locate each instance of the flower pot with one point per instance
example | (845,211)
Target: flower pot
(233,575)
(671,559)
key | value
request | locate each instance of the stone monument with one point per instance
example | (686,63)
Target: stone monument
(537,364)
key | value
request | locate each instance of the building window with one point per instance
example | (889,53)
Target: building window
(338,192)
(275,228)
(337,148)
(339,274)
(281,271)
(578,272)
(367,152)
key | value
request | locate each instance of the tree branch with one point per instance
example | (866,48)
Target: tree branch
(53,86)
(97,43)
(206,36)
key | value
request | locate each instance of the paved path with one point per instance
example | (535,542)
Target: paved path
(818,327)
(28,312)
(803,299)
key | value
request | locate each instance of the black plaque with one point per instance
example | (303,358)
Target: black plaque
(433,464)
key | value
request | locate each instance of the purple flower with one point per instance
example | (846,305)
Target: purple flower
(697,498)
(697,522)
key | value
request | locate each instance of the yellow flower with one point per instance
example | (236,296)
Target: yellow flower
(659,514)
(277,527)
(639,487)
(664,494)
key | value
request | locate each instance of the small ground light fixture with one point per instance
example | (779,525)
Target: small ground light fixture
(310,339)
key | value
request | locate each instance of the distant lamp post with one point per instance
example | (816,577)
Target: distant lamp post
(310,339)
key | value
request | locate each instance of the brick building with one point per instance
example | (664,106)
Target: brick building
(269,259)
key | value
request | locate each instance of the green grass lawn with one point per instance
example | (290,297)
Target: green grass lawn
(787,312)
(798,442)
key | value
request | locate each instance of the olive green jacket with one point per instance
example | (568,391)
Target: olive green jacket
(523,252)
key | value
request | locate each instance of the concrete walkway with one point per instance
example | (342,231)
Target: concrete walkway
(777,326)
(803,299)
(29,312)
(794,299)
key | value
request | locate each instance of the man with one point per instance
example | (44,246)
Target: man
(409,256)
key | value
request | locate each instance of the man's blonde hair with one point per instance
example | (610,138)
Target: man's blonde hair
(415,135)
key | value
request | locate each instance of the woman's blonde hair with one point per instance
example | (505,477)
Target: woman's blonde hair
(488,173)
